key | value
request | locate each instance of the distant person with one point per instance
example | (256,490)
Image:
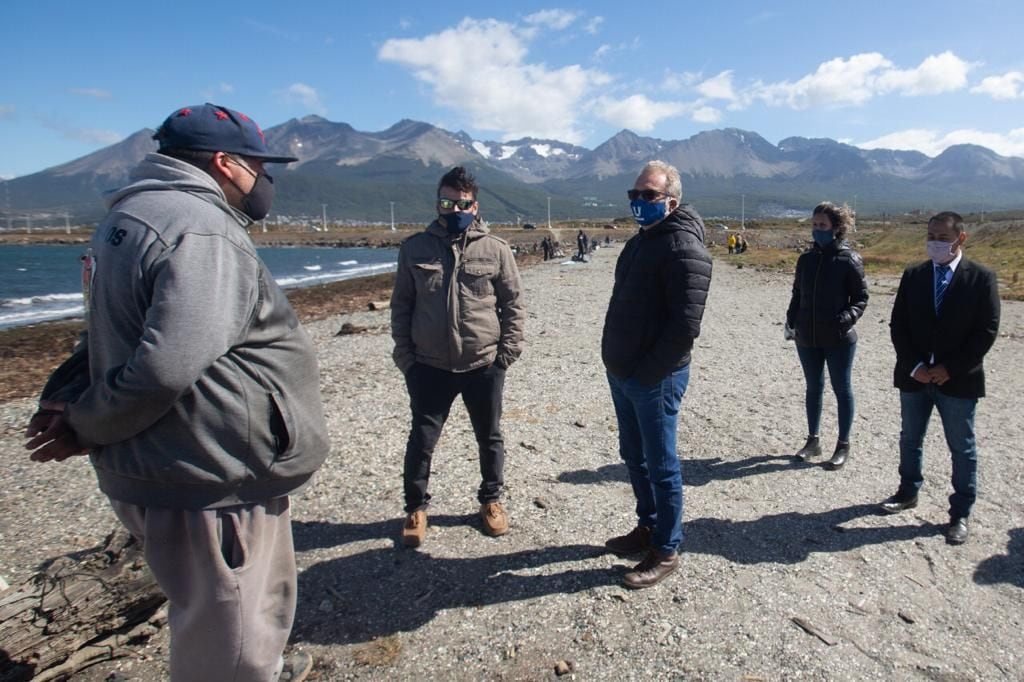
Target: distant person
(582,246)
(741,244)
(661,284)
(830,294)
(546,244)
(457,318)
(731,242)
(945,318)
(197,392)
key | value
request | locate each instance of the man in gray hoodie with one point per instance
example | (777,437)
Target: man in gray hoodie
(196,392)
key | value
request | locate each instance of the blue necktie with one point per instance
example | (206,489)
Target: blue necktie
(940,286)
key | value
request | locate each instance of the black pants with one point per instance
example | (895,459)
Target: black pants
(431,394)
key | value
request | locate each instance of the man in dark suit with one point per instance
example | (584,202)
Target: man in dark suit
(945,318)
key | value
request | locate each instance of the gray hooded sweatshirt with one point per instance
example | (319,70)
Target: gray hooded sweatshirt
(201,388)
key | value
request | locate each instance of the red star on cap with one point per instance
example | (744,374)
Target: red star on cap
(184,112)
(260,132)
(242,116)
(221,116)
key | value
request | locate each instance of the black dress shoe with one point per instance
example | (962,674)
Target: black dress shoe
(839,456)
(898,503)
(956,534)
(810,450)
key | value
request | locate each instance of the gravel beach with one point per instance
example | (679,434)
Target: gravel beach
(770,542)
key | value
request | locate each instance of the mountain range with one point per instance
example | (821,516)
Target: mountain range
(361,176)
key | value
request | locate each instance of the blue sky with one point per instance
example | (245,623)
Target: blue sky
(904,74)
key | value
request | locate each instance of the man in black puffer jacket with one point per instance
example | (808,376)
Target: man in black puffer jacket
(661,284)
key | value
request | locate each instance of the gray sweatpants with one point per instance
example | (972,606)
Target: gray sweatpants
(229,575)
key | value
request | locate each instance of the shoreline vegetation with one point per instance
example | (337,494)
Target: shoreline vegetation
(31,352)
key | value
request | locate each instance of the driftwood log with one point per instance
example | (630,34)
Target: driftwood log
(76,613)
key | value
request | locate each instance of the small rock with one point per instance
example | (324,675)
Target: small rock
(907,616)
(528,446)
(564,668)
(3,584)
(580,423)
(349,328)
(326,606)
(540,503)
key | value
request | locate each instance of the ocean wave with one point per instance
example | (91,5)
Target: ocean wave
(348,262)
(322,278)
(312,268)
(32,315)
(39,300)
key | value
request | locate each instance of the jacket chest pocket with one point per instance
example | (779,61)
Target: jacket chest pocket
(429,276)
(476,276)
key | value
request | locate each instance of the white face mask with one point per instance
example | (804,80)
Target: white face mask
(940,252)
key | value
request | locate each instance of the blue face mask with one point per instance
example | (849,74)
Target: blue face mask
(648,212)
(458,222)
(823,237)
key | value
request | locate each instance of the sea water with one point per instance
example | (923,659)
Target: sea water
(41,283)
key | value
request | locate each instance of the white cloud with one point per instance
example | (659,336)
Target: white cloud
(87,135)
(1008,86)
(936,74)
(637,112)
(602,51)
(855,80)
(934,142)
(95,93)
(305,95)
(706,114)
(6,111)
(502,92)
(594,25)
(718,87)
(555,19)
(675,82)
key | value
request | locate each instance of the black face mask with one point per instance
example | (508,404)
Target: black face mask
(256,204)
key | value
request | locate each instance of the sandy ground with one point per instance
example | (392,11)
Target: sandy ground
(768,539)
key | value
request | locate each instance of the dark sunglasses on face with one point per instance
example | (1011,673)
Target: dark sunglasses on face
(449,204)
(645,194)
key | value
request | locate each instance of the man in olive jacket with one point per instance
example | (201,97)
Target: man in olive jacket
(457,318)
(661,284)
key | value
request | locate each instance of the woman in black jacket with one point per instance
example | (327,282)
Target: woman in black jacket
(829,296)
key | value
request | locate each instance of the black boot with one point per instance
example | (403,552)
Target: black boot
(839,456)
(811,449)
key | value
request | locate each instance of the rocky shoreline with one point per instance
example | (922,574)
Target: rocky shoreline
(787,571)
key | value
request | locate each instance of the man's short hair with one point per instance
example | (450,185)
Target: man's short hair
(197,157)
(460,180)
(673,183)
(841,217)
(951,217)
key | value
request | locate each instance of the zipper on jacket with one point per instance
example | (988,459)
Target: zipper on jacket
(814,301)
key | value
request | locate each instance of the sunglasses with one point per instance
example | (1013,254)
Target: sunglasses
(449,204)
(645,194)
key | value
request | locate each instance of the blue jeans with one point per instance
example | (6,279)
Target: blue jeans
(647,417)
(958,424)
(840,364)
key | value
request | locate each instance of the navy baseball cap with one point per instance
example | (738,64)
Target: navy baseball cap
(211,128)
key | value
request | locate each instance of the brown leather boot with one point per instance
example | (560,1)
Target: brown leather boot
(655,567)
(414,529)
(495,519)
(634,542)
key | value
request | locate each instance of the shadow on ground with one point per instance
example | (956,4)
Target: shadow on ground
(696,472)
(381,592)
(1004,568)
(791,537)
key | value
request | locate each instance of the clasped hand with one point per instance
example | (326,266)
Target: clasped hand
(936,374)
(50,436)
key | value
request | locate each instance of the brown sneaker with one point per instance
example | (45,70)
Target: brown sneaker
(634,542)
(414,529)
(652,570)
(495,519)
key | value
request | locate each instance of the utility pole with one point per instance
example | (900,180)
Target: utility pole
(323,219)
(982,209)
(392,215)
(28,222)
(7,202)
(743,211)
(67,224)
(854,212)
(549,213)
